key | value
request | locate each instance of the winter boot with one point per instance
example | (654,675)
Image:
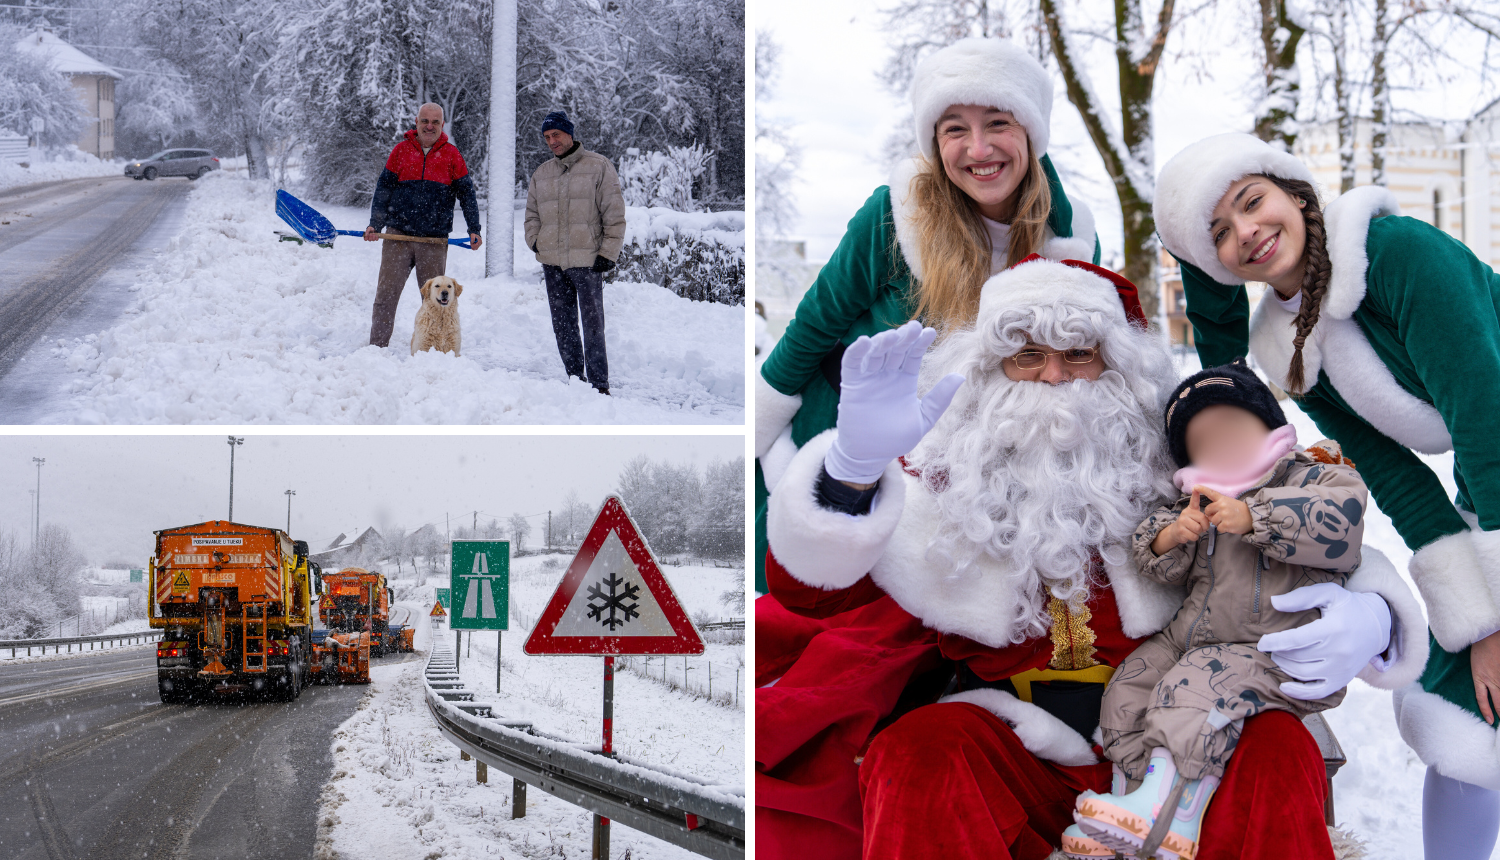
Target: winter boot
(1160,819)
(1077,844)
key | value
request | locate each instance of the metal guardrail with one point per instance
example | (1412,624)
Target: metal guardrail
(731,624)
(137,638)
(672,806)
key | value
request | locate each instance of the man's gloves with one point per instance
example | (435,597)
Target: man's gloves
(602,265)
(880,415)
(1326,654)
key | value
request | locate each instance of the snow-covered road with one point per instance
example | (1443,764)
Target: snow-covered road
(231,326)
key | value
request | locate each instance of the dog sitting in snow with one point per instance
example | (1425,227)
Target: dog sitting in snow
(437,320)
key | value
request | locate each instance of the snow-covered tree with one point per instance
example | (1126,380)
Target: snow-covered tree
(1281,31)
(32,89)
(223,46)
(520,530)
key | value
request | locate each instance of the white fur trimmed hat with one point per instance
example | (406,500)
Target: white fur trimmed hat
(989,72)
(1084,286)
(1193,182)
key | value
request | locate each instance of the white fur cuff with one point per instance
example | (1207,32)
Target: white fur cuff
(773,412)
(1447,737)
(1041,733)
(1460,603)
(822,548)
(1376,575)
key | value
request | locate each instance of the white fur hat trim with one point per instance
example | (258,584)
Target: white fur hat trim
(1193,182)
(989,72)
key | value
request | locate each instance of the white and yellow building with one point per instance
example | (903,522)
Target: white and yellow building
(93,81)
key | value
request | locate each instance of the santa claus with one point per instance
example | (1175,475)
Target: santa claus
(941,625)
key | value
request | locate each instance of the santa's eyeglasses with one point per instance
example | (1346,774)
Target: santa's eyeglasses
(1032,359)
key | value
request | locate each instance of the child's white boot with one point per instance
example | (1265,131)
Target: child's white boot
(1077,844)
(1135,824)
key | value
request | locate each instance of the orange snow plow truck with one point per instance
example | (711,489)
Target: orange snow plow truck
(235,606)
(356,610)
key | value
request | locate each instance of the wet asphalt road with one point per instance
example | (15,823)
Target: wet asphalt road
(60,242)
(93,765)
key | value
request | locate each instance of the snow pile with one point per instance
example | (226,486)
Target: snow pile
(698,255)
(68,163)
(233,326)
(400,790)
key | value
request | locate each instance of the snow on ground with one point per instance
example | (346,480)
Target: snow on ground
(232,326)
(70,165)
(399,789)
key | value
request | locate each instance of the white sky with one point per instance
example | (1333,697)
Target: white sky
(840,114)
(112,491)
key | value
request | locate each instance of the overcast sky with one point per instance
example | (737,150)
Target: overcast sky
(840,114)
(112,491)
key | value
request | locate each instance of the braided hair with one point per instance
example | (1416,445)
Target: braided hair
(1315,276)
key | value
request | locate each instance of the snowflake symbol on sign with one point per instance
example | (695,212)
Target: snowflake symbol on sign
(614,602)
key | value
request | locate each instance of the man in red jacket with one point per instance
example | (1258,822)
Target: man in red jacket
(941,625)
(414,197)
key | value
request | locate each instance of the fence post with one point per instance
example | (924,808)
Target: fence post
(517,799)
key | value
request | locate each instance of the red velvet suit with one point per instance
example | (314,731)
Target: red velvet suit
(837,780)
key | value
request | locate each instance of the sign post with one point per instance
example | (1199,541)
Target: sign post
(613,600)
(479,571)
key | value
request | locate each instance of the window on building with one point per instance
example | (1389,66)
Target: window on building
(1437,208)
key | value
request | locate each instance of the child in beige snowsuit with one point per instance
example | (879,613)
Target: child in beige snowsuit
(1258,518)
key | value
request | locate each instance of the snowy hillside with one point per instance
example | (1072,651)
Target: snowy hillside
(232,326)
(400,790)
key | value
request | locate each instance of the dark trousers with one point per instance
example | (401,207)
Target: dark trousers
(574,294)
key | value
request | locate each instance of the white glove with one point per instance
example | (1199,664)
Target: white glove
(1326,654)
(880,415)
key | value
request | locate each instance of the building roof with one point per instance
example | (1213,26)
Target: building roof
(64,57)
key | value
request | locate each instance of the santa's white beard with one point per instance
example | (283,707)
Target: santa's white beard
(1039,478)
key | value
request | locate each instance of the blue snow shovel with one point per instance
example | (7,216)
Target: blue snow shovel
(312,227)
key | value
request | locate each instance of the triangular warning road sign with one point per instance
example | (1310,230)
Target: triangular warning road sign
(614,599)
(437,609)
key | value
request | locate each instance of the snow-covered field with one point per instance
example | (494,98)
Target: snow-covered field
(400,790)
(75,165)
(232,326)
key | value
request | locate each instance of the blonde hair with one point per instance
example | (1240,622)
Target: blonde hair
(955,248)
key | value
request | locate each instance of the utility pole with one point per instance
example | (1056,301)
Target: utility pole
(32,512)
(36,534)
(549,530)
(475,527)
(289,494)
(499,255)
(234,441)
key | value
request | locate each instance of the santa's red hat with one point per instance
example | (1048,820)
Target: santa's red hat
(1083,286)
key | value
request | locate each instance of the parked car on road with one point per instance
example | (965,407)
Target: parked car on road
(191,163)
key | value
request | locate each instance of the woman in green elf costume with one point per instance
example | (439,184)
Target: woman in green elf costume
(981,194)
(1386,331)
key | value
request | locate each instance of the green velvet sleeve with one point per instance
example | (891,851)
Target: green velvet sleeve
(1220,315)
(1446,307)
(1402,485)
(845,288)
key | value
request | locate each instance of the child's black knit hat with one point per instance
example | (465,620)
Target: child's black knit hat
(1230,384)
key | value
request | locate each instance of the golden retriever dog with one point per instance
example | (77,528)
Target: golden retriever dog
(437,320)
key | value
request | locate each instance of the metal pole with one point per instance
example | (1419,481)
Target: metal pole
(601,824)
(289,494)
(233,441)
(32,493)
(36,536)
(458,644)
(499,639)
(499,257)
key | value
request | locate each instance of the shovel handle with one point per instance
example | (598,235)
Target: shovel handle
(399,237)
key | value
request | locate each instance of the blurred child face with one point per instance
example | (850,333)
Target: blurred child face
(1224,438)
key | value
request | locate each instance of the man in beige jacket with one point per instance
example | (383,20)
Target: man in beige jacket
(575,224)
